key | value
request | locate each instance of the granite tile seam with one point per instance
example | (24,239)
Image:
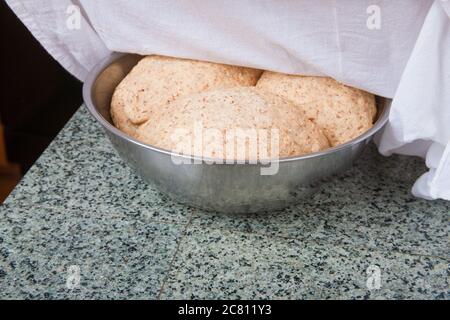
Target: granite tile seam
(46,243)
(338,244)
(171,257)
(74,210)
(174,257)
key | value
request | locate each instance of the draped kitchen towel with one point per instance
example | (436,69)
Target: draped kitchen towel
(396,49)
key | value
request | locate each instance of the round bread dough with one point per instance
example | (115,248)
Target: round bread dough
(220,124)
(341,111)
(158,80)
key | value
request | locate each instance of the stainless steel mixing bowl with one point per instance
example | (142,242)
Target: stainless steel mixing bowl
(220,187)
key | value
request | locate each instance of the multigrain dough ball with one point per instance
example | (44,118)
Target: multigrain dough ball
(341,111)
(226,118)
(157,80)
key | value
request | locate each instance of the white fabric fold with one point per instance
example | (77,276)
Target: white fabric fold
(52,23)
(419,122)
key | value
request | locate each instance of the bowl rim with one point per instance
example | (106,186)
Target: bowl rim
(93,74)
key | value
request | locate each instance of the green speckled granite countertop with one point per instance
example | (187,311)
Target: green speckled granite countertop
(81,209)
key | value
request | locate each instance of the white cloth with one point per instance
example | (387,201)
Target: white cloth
(419,122)
(77,50)
(394,49)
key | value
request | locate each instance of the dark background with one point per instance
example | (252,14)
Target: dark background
(37,95)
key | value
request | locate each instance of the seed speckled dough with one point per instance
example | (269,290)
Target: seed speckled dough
(341,111)
(228,110)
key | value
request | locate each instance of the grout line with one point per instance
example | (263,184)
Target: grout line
(177,249)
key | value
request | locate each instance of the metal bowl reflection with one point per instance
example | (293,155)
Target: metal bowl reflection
(219,187)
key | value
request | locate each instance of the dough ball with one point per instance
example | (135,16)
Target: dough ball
(239,123)
(341,111)
(157,80)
